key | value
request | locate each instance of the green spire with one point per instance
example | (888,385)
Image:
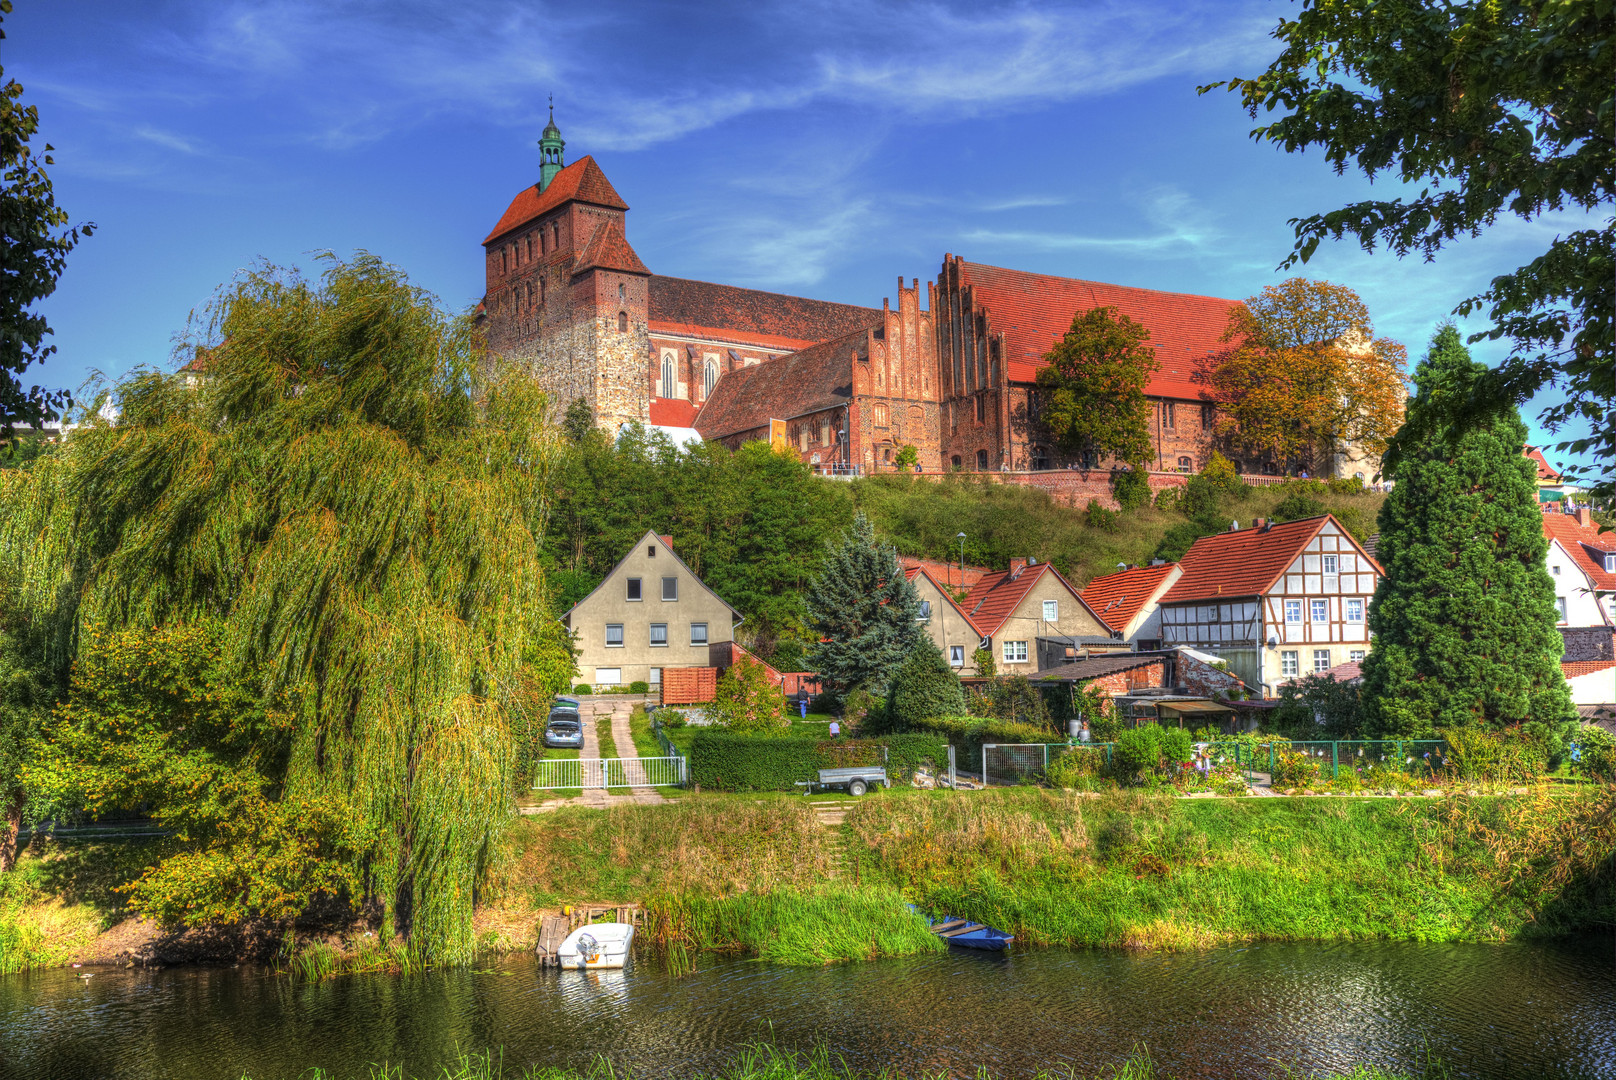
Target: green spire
(550,147)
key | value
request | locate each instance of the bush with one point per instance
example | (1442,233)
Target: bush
(968,733)
(1167,498)
(860,709)
(639,686)
(725,761)
(983,659)
(581,688)
(1014,698)
(1595,754)
(1131,488)
(1220,474)
(1098,517)
(746,701)
(671,718)
(924,686)
(1149,750)
(1081,767)
(1298,505)
(1295,769)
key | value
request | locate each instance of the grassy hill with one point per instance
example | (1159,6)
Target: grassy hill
(1000,521)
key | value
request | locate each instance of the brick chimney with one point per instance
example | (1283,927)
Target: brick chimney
(1016,567)
(667,540)
(1585,517)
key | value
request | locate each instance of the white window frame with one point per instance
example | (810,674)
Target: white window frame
(1354,611)
(674,582)
(634,585)
(668,383)
(610,644)
(651,635)
(703,627)
(1355,656)
(1290,663)
(1052,611)
(1014,652)
(925,612)
(1320,611)
(655,678)
(1562,609)
(1610,563)
(1293,608)
(608,676)
(1321,657)
(956,656)
(1331,564)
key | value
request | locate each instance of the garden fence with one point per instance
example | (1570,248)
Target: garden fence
(1333,757)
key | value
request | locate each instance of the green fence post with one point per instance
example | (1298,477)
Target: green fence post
(1335,760)
(1270,761)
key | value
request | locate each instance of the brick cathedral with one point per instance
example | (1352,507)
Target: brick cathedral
(568,298)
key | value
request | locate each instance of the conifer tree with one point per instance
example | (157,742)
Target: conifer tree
(861,613)
(1464,619)
(924,686)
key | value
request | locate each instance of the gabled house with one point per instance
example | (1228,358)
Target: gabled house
(1128,600)
(956,635)
(651,612)
(1016,608)
(1582,562)
(1274,601)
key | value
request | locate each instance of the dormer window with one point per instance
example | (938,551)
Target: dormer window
(1610,562)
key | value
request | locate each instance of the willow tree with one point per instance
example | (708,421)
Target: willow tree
(331,485)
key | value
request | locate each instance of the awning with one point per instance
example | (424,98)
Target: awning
(1195,706)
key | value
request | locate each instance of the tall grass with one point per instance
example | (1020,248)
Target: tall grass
(768,1061)
(825,926)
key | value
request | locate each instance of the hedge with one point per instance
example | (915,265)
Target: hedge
(968,733)
(723,761)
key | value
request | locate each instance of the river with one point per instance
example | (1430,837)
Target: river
(1493,1011)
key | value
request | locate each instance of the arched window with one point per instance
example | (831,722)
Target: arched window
(1185,464)
(622,322)
(667,375)
(1172,415)
(555,237)
(544,240)
(622,292)
(981,461)
(955,461)
(709,377)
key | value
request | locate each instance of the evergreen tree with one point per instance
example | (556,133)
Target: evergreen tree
(861,613)
(925,686)
(579,420)
(1464,620)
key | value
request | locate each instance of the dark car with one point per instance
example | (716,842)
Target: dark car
(564,730)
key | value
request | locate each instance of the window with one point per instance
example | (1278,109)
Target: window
(956,462)
(656,677)
(650,551)
(667,376)
(1293,611)
(981,408)
(659,635)
(555,237)
(824,430)
(1052,611)
(956,656)
(634,588)
(709,378)
(1356,656)
(1040,458)
(698,633)
(886,456)
(881,417)
(1206,420)
(925,611)
(1555,569)
(1171,415)
(1355,611)
(1186,465)
(622,322)
(1015,652)
(670,588)
(981,461)
(1287,663)
(504,260)
(614,635)
(622,293)
(1331,564)
(1321,611)
(608,676)
(1560,608)
(1321,661)
(1610,563)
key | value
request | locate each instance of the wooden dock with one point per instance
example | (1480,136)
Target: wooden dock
(553,929)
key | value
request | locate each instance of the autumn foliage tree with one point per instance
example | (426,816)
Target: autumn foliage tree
(1305,375)
(1093,387)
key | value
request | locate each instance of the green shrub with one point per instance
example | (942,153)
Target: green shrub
(725,761)
(581,688)
(747,701)
(968,733)
(1080,767)
(1131,488)
(1220,474)
(983,659)
(1098,517)
(1596,753)
(1176,746)
(1137,753)
(1294,769)
(924,686)
(671,718)
(639,686)
(1167,498)
(1298,505)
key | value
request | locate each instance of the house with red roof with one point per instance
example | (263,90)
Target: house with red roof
(1128,601)
(1029,616)
(1275,601)
(1582,562)
(955,635)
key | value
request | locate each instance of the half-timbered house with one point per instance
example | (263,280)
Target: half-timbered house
(1276,602)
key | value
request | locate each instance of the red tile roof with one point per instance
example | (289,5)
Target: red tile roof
(727,313)
(819,377)
(582,180)
(1546,473)
(996,595)
(1352,669)
(912,572)
(1117,598)
(1034,311)
(1586,667)
(608,249)
(1244,563)
(945,573)
(1577,539)
(673,412)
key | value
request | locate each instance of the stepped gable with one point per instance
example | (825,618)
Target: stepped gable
(704,310)
(806,381)
(1244,563)
(609,249)
(1034,311)
(581,181)
(1117,598)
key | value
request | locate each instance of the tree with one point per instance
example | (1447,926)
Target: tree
(1487,108)
(907,458)
(924,686)
(359,527)
(1131,488)
(1304,373)
(862,613)
(746,701)
(1318,707)
(1464,618)
(25,697)
(1094,387)
(33,256)
(579,421)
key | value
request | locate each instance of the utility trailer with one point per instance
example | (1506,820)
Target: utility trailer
(857,780)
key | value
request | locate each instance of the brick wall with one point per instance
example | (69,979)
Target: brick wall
(1199,677)
(1151,675)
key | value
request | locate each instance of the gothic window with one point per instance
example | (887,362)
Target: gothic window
(981,461)
(1170,415)
(541,290)
(981,408)
(955,461)
(622,292)
(530,249)
(824,430)
(544,240)
(1185,465)
(504,259)
(555,237)
(709,377)
(881,417)
(1040,458)
(1206,418)
(667,375)
(622,322)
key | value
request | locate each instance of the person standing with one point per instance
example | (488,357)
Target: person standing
(835,729)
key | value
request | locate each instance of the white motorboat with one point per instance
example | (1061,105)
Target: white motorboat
(597,945)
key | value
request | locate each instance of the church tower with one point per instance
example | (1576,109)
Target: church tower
(567,298)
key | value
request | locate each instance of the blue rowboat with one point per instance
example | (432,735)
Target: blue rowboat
(972,935)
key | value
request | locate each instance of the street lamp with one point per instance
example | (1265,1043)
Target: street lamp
(961,538)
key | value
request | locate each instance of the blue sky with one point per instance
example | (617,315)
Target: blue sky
(819,148)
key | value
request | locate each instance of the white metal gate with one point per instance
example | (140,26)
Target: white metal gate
(556,773)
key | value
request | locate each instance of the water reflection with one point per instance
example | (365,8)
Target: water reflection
(1491,1011)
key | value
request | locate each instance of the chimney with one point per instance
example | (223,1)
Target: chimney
(667,541)
(1016,567)
(1585,517)
(1259,523)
